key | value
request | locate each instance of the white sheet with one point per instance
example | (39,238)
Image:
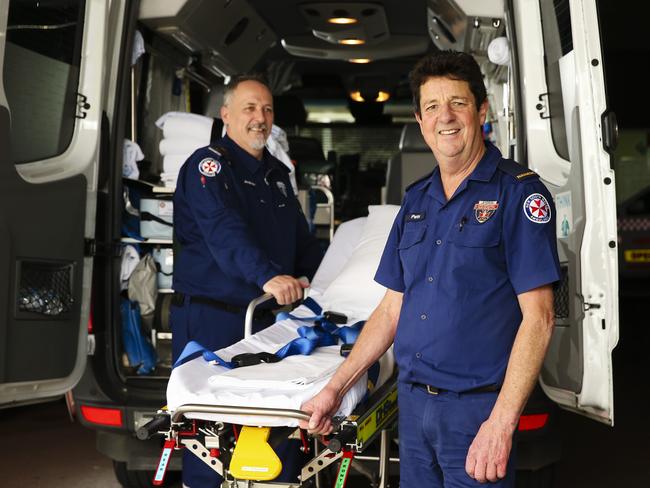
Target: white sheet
(286,384)
(290,382)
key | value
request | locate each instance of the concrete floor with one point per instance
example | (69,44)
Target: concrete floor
(41,448)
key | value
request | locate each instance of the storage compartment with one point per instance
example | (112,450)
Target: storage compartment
(156,218)
(44,288)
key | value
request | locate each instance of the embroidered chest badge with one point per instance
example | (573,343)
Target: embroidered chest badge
(484,209)
(209,167)
(537,209)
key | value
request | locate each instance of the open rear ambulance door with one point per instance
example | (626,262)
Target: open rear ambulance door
(52,56)
(569,134)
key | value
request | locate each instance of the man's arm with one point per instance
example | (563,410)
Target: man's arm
(488,455)
(375,339)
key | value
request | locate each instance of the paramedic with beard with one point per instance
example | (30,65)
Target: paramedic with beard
(468,268)
(241,233)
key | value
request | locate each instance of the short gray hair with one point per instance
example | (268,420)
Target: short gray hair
(236,80)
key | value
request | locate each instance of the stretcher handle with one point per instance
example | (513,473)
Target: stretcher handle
(233,410)
(248,323)
(250,310)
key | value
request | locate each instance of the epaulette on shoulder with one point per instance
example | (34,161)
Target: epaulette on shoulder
(420,180)
(221,152)
(512,168)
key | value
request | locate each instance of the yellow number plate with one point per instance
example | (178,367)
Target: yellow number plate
(637,256)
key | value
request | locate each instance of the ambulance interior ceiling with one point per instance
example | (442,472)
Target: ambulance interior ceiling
(292,42)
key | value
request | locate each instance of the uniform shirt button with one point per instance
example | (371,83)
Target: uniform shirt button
(418,355)
(430,279)
(423,316)
(438,242)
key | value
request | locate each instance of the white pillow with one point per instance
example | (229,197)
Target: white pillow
(345,240)
(354,291)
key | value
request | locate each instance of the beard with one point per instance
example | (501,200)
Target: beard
(258,143)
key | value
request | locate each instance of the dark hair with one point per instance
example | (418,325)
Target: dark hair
(237,79)
(455,65)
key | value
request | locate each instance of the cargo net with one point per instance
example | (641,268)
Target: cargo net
(45,288)
(561,295)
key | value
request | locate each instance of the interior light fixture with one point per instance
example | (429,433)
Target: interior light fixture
(359,60)
(342,20)
(351,42)
(382,96)
(356,96)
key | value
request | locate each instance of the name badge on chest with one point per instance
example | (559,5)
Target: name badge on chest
(416,217)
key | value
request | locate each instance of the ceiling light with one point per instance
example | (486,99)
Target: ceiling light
(356,96)
(359,60)
(342,20)
(382,96)
(351,42)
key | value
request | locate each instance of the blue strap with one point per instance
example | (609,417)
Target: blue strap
(324,334)
(194,347)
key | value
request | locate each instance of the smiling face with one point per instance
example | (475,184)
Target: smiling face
(248,116)
(449,120)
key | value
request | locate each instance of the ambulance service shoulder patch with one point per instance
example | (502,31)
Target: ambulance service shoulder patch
(537,209)
(209,167)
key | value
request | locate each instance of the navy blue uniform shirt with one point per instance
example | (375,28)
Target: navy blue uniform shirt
(239,224)
(461,264)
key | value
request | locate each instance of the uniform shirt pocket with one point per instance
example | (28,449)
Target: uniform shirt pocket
(477,235)
(409,248)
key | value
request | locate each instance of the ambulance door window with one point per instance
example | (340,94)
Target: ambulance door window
(41,75)
(556,31)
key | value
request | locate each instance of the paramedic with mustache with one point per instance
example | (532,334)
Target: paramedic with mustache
(468,268)
(241,233)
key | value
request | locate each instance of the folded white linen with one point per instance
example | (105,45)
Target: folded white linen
(169,179)
(286,384)
(180,124)
(172,163)
(180,145)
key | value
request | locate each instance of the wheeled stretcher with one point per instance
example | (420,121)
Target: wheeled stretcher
(232,418)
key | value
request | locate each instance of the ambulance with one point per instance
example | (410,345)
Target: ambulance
(85,89)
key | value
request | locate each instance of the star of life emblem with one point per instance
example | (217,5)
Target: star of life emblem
(537,209)
(484,209)
(209,167)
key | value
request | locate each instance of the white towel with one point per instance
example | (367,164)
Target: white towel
(173,162)
(180,145)
(181,124)
(169,179)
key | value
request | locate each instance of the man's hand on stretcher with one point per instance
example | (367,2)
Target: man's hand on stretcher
(285,289)
(375,339)
(321,407)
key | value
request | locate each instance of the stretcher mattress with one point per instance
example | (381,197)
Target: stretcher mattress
(295,379)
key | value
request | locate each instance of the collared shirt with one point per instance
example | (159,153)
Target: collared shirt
(238,224)
(461,264)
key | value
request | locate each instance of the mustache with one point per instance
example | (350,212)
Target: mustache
(257,126)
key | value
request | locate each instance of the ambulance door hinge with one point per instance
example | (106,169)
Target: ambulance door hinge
(543,107)
(82,106)
(92,249)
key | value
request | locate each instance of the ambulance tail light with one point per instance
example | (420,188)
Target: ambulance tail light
(110,417)
(90,321)
(532,422)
